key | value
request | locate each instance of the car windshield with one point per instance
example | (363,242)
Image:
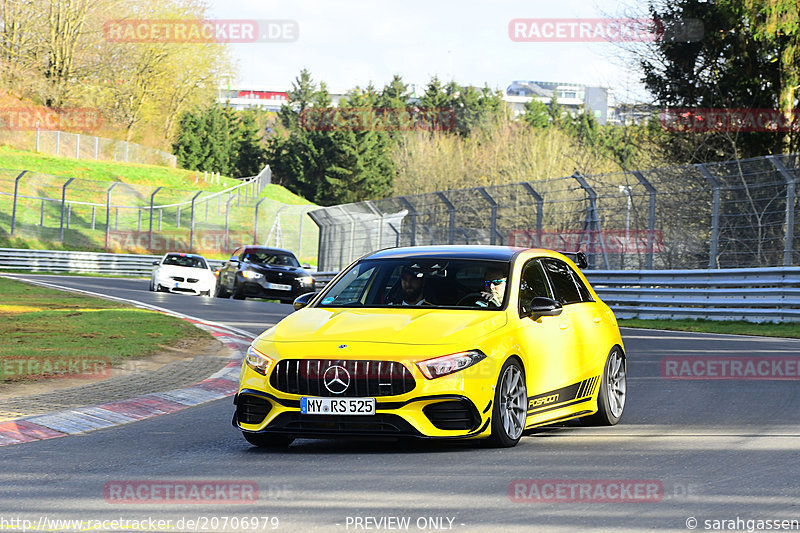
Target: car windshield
(272,258)
(185,261)
(459,283)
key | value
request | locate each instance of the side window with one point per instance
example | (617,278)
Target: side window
(563,282)
(235,254)
(586,296)
(532,284)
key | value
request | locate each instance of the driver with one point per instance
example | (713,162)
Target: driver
(494,281)
(412,283)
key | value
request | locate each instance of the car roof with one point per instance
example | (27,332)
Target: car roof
(491,253)
(253,248)
(183,254)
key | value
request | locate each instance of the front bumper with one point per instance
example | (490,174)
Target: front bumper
(185,287)
(444,416)
(457,406)
(261,288)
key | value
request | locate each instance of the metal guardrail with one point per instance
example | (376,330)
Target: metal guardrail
(81,262)
(752,294)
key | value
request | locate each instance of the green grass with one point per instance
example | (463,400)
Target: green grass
(734,327)
(47,324)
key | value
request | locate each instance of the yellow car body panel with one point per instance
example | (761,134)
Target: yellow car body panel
(563,356)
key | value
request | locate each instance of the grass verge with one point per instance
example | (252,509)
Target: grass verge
(50,325)
(734,327)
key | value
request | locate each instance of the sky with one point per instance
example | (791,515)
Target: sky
(346,43)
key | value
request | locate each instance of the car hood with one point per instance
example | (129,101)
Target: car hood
(399,325)
(297,271)
(175,270)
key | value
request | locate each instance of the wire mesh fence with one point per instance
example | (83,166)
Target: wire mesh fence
(740,213)
(125,218)
(82,146)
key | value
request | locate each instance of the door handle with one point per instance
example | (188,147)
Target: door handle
(597,320)
(564,325)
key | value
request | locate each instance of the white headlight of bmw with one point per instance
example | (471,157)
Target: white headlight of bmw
(306,280)
(249,274)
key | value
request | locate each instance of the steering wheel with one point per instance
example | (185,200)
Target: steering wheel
(471,297)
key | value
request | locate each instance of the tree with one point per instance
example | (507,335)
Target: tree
(536,114)
(729,68)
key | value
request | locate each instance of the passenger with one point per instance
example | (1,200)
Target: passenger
(494,288)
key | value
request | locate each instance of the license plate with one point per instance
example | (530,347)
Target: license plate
(279,286)
(337,406)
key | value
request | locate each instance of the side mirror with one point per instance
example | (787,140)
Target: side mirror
(156,262)
(303,300)
(541,306)
(306,266)
(233,261)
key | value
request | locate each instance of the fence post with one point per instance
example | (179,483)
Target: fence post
(191,222)
(108,213)
(493,206)
(377,211)
(651,216)
(791,189)
(413,213)
(96,146)
(78,146)
(14,203)
(63,202)
(451,232)
(592,221)
(715,201)
(37,138)
(255,221)
(177,216)
(539,210)
(227,216)
(152,197)
(58,142)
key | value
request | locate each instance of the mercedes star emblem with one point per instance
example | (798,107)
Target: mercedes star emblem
(336,379)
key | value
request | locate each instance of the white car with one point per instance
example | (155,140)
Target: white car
(183,273)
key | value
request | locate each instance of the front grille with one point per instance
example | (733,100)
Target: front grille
(251,409)
(366,378)
(323,425)
(452,414)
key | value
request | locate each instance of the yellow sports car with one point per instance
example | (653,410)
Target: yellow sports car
(449,342)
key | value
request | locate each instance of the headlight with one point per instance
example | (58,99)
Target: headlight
(447,364)
(258,361)
(249,274)
(306,280)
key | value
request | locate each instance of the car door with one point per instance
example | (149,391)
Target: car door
(228,272)
(580,317)
(548,343)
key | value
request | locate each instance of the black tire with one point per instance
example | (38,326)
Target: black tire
(238,293)
(610,410)
(264,440)
(510,406)
(220,291)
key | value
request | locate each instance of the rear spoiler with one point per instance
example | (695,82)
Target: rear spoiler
(579,258)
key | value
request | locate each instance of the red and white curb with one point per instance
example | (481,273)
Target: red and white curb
(85,419)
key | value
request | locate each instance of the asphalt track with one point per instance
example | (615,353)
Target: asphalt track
(697,450)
